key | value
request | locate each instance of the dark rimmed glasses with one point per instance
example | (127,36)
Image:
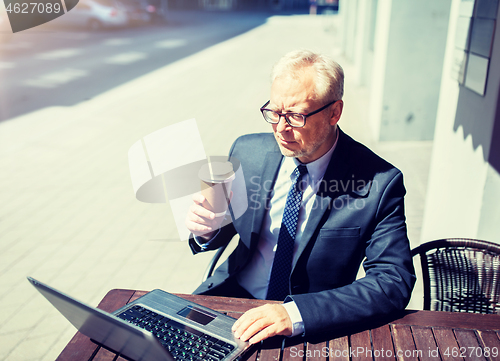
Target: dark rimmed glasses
(296,120)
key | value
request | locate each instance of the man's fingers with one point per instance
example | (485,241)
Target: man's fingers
(200,221)
(257,331)
(263,322)
(243,323)
(196,218)
(197,227)
(249,327)
(198,198)
(263,334)
(201,211)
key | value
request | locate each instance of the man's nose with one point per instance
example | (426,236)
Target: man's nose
(282,124)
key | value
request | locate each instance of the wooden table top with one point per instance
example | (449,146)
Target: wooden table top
(418,335)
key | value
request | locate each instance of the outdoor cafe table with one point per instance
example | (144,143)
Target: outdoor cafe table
(418,335)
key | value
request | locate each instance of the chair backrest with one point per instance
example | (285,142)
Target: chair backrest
(460,275)
(209,271)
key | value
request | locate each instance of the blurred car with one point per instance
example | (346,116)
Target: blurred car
(96,14)
(157,10)
(328,4)
(137,11)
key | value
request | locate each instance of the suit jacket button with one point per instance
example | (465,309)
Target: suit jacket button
(210,285)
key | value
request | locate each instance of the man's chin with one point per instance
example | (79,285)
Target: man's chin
(289,152)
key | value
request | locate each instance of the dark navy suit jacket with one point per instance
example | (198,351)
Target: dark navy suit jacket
(358,215)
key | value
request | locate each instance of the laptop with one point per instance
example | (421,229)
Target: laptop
(156,327)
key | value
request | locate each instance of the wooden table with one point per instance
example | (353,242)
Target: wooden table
(418,335)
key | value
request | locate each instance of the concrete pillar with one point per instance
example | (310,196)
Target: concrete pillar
(364,42)
(410,38)
(463,197)
(348,12)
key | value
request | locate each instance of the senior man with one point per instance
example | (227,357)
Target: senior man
(320,204)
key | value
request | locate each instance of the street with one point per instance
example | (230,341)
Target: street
(62,66)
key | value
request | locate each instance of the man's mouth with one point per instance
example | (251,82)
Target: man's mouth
(285,142)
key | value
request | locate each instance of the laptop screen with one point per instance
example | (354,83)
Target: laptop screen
(105,328)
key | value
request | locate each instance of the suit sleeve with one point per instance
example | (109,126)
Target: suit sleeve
(389,275)
(221,239)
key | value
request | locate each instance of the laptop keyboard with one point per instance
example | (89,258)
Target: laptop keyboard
(183,342)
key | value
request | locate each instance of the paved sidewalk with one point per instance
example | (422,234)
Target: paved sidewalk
(69,217)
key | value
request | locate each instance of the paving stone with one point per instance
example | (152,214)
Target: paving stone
(9,342)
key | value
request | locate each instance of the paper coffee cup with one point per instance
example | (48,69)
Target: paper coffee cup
(216,180)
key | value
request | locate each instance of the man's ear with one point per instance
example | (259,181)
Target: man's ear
(336,112)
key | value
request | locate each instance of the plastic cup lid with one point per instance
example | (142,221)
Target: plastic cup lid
(216,172)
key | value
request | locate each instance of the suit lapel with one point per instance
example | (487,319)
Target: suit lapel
(312,223)
(267,178)
(335,172)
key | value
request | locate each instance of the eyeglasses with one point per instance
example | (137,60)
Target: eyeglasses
(296,120)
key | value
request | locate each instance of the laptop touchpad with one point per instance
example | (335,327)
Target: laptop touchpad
(197,315)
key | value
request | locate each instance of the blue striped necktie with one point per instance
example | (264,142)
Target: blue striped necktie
(282,264)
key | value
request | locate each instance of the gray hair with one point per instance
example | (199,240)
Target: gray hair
(329,74)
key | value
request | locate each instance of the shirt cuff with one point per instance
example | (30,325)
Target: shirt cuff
(203,243)
(295,317)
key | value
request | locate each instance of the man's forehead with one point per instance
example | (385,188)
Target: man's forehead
(292,93)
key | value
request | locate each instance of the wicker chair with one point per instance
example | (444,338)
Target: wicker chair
(460,275)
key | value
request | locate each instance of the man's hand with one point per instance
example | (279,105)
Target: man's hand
(199,220)
(263,322)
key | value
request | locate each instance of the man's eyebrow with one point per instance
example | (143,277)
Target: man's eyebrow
(300,111)
(275,108)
